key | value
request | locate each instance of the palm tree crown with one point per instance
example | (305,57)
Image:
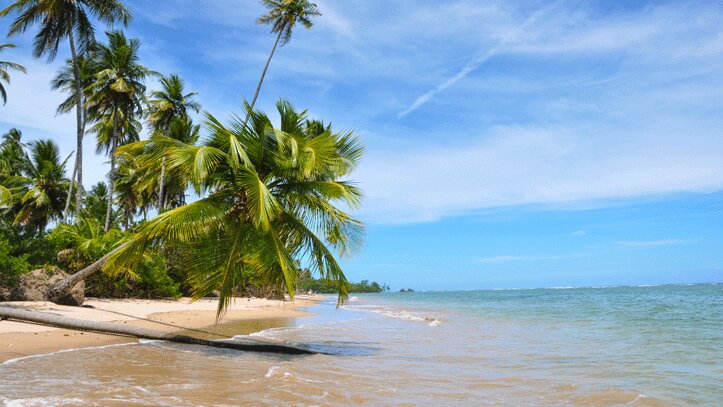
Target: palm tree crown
(270,207)
(64,81)
(170,103)
(45,186)
(283,15)
(118,83)
(61,19)
(5,66)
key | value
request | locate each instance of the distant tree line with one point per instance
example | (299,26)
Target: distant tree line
(322,286)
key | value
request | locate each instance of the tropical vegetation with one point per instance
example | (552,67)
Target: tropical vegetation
(57,21)
(322,286)
(193,205)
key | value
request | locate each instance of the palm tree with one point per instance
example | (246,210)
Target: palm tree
(135,186)
(14,162)
(283,16)
(165,106)
(58,20)
(184,131)
(96,202)
(129,190)
(13,158)
(116,99)
(170,103)
(270,206)
(65,81)
(4,75)
(45,188)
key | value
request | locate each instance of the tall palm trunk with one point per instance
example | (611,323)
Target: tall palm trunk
(111,174)
(66,210)
(79,126)
(263,74)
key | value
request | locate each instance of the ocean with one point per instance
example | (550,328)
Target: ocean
(598,346)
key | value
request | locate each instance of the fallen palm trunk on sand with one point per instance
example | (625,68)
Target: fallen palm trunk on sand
(57,321)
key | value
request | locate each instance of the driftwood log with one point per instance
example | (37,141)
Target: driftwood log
(44,318)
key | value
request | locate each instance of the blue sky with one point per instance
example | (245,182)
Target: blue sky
(509,144)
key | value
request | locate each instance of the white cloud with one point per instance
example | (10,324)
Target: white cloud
(528,165)
(579,233)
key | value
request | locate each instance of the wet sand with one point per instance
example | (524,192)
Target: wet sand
(249,315)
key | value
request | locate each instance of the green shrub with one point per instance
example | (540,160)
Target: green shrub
(150,280)
(11,266)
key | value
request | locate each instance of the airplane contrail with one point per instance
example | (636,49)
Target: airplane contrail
(472,65)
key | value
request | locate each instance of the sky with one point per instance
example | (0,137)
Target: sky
(508,143)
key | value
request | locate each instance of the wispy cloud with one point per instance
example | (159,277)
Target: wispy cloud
(651,243)
(579,233)
(522,166)
(471,66)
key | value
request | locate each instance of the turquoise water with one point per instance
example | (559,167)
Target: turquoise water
(663,342)
(638,346)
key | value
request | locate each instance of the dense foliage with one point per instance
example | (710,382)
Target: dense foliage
(268,199)
(269,204)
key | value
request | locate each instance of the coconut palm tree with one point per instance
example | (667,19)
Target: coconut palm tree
(14,162)
(270,208)
(186,132)
(135,186)
(65,81)
(5,66)
(170,103)
(13,158)
(129,190)
(116,98)
(283,15)
(114,129)
(45,187)
(166,105)
(58,20)
(96,202)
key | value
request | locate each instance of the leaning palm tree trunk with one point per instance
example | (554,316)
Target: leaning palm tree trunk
(44,318)
(62,288)
(263,74)
(79,126)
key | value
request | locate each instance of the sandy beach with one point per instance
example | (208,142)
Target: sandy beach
(21,339)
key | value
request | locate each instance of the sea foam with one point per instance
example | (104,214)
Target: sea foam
(41,355)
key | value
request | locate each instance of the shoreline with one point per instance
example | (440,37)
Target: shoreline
(18,339)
